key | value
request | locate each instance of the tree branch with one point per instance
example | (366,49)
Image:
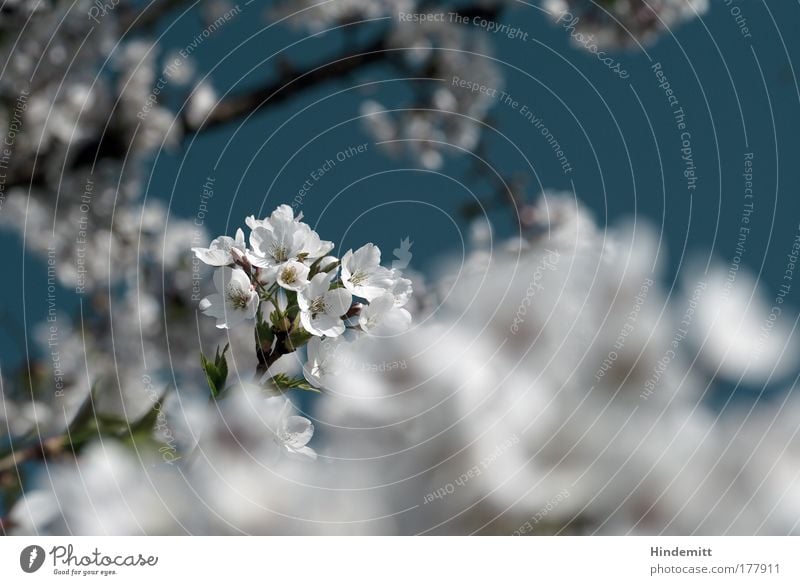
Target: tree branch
(16,458)
(290,83)
(134,19)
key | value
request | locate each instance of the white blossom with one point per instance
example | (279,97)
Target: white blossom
(293,275)
(221,250)
(282,237)
(320,15)
(363,275)
(739,333)
(322,308)
(200,103)
(235,300)
(444,119)
(294,433)
(383,317)
(620,23)
(324,361)
(401,290)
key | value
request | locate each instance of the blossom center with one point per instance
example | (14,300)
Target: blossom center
(280,253)
(317,305)
(289,275)
(358,277)
(237,298)
(287,437)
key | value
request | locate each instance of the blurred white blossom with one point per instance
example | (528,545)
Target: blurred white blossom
(619,23)
(740,335)
(447,118)
(317,15)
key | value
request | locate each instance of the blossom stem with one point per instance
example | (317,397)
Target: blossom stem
(265,360)
(14,459)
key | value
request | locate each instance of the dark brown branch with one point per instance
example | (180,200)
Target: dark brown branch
(267,358)
(292,82)
(13,460)
(289,84)
(133,19)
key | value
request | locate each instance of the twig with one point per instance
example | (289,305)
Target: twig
(134,19)
(15,458)
(265,360)
(39,450)
(289,84)
(5,525)
(292,82)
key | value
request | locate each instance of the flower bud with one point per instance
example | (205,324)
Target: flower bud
(240,259)
(354,311)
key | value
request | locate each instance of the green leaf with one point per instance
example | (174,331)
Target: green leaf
(86,412)
(292,309)
(216,371)
(283,383)
(298,336)
(317,267)
(148,420)
(279,321)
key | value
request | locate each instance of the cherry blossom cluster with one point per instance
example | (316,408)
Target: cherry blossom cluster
(622,23)
(285,279)
(445,119)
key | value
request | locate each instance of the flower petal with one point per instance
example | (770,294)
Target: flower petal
(299,430)
(337,302)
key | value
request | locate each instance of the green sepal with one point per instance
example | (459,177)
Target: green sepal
(316,267)
(283,383)
(216,371)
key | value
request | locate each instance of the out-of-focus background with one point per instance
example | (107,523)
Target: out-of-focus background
(654,139)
